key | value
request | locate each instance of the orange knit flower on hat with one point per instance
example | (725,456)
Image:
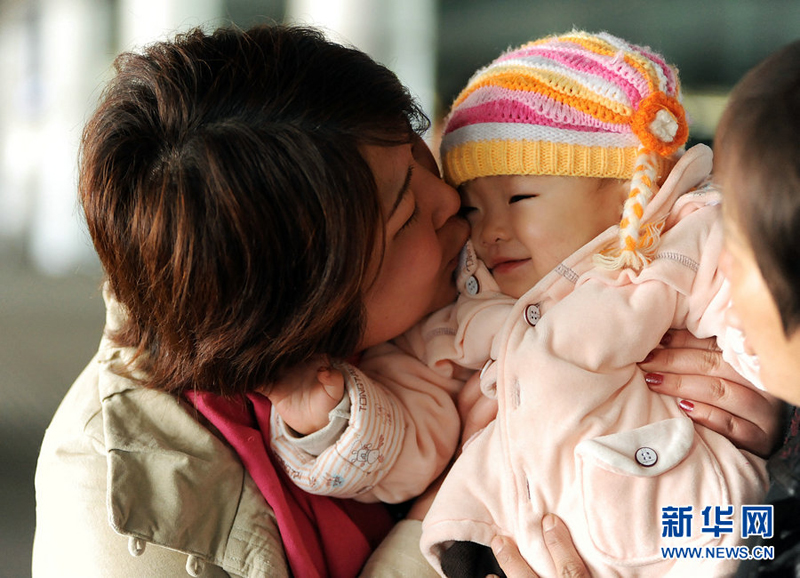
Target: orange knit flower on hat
(660,123)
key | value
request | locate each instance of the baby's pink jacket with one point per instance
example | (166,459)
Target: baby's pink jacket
(578,432)
(401,429)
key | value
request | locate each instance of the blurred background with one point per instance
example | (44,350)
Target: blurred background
(56,54)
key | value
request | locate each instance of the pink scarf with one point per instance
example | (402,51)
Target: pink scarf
(322,536)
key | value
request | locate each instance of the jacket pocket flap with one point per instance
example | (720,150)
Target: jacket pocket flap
(646,451)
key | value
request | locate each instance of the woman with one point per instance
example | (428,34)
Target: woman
(257,199)
(757,164)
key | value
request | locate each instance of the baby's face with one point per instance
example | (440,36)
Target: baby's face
(524,226)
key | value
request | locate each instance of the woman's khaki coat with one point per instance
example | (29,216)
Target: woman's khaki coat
(130,483)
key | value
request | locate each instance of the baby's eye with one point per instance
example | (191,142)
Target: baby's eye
(517,198)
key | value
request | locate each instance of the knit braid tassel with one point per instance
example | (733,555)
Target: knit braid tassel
(637,243)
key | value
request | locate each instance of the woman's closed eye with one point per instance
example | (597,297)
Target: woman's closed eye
(517,198)
(411,219)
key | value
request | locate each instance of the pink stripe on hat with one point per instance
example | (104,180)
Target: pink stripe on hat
(511,111)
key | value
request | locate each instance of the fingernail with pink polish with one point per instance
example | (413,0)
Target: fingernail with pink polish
(686,405)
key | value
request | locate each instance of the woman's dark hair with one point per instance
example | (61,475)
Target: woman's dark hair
(758,140)
(232,211)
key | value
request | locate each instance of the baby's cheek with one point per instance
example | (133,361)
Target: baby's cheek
(480,248)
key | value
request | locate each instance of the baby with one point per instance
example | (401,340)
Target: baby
(549,146)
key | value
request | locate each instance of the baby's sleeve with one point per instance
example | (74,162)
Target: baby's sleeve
(704,292)
(353,453)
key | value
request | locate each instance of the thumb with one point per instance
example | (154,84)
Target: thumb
(509,558)
(332,382)
(562,550)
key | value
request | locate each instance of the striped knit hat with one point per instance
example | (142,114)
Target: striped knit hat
(579,104)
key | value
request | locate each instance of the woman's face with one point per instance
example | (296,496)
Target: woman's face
(753,310)
(423,238)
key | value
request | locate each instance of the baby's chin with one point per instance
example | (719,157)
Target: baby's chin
(515,293)
(516,288)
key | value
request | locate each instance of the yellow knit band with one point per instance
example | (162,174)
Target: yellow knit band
(502,157)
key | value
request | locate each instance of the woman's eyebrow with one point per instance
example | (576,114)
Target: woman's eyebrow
(402,192)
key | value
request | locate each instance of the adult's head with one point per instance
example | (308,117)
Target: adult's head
(241,189)
(757,163)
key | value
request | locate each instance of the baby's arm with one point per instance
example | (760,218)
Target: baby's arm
(393,433)
(393,426)
(630,311)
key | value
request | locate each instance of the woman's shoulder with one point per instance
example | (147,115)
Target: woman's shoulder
(141,481)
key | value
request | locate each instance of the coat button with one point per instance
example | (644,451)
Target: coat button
(195,566)
(646,457)
(136,546)
(532,315)
(472,285)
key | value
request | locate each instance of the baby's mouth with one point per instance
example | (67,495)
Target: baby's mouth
(508,265)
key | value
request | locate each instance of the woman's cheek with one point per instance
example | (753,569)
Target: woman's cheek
(433,282)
